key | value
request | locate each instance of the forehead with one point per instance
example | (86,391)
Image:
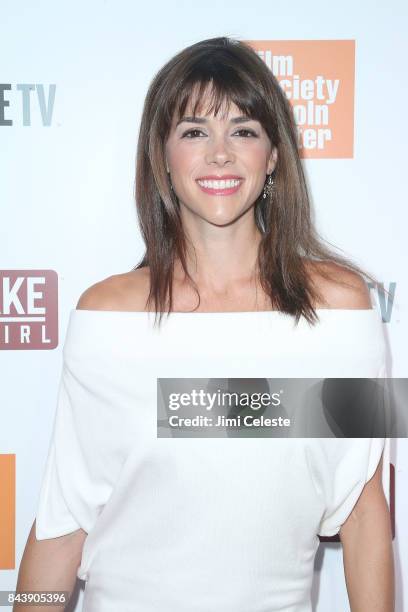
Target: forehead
(206,101)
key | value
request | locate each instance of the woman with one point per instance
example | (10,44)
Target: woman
(250,291)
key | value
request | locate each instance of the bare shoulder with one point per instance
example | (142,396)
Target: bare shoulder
(338,286)
(119,292)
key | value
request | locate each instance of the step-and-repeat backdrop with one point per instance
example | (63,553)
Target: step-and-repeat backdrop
(73,77)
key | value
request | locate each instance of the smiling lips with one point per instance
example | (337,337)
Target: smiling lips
(225,185)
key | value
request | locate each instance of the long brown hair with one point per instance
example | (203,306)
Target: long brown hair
(236,73)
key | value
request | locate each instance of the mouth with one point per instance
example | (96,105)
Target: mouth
(220,186)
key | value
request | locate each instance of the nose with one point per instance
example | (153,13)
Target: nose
(218,152)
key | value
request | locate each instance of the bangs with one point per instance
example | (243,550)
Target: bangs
(213,93)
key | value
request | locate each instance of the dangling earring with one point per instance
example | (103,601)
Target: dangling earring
(268,188)
(171,186)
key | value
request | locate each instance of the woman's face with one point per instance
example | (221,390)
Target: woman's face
(218,165)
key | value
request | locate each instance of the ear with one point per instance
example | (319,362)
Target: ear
(273,158)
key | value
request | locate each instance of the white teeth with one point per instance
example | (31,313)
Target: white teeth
(219,184)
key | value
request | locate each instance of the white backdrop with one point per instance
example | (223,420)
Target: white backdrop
(66,188)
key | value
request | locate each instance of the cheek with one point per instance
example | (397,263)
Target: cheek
(255,155)
(186,163)
(181,155)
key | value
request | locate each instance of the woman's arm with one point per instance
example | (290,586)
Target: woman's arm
(367,551)
(49,565)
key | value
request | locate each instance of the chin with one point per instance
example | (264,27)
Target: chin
(221,219)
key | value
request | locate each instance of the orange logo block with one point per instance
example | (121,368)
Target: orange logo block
(7,511)
(318,79)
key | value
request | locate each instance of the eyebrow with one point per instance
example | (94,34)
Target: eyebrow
(240,119)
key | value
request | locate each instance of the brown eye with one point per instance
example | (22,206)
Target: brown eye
(189,132)
(250,132)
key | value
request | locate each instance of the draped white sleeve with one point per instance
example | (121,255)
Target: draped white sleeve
(87,447)
(351,463)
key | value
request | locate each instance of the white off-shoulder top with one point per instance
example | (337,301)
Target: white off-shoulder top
(203,524)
